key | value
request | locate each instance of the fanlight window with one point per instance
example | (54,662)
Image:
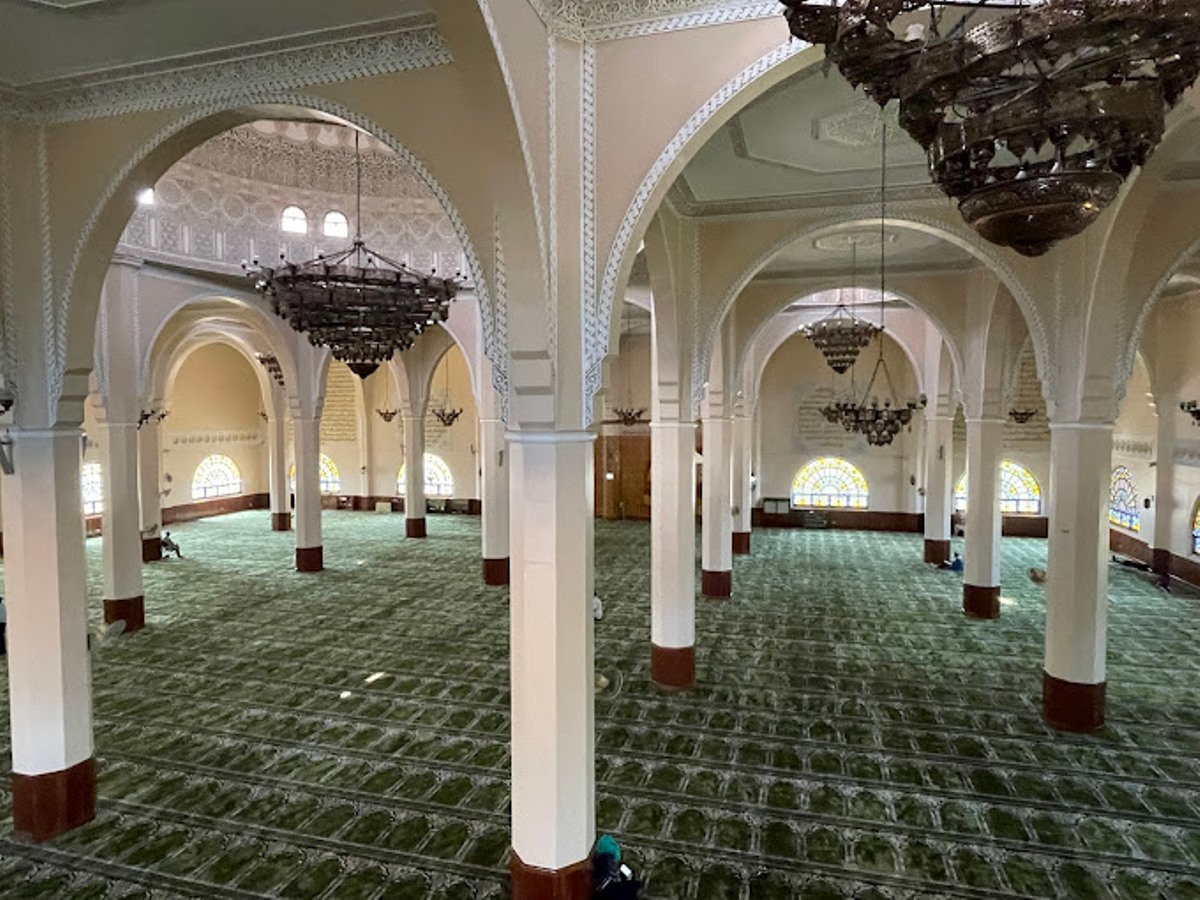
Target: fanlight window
(1196,530)
(336,225)
(216,476)
(331,477)
(829,483)
(91,480)
(294,221)
(1020,493)
(438,480)
(1123,500)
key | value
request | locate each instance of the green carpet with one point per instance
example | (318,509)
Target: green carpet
(852,734)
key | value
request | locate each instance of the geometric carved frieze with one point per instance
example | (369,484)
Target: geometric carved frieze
(216,436)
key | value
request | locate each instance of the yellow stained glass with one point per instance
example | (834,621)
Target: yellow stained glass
(1123,500)
(216,476)
(829,483)
(438,480)
(1020,493)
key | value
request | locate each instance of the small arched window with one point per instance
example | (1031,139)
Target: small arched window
(91,480)
(1123,500)
(438,480)
(293,221)
(1020,493)
(331,477)
(216,476)
(1196,530)
(336,225)
(829,483)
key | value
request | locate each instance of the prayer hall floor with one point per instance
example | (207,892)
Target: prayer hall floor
(345,735)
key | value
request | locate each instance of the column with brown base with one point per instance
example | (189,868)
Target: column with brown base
(939,487)
(742,433)
(673,554)
(414,474)
(149,496)
(552,659)
(716,541)
(1074,678)
(493,464)
(277,468)
(310,556)
(53,773)
(121,539)
(981,572)
(1167,403)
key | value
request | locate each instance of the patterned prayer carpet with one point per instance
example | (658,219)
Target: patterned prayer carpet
(345,735)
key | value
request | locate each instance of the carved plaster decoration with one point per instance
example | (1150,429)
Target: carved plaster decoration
(595,319)
(216,436)
(859,125)
(54,320)
(1187,453)
(118,182)
(8,335)
(610,20)
(226,75)
(1133,447)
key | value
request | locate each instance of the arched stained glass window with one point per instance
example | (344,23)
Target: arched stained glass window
(1020,493)
(438,480)
(1123,500)
(216,476)
(1196,530)
(293,221)
(336,225)
(331,477)
(829,483)
(91,479)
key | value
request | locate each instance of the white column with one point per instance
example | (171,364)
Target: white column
(277,467)
(981,575)
(50,690)
(743,433)
(122,540)
(149,486)
(673,554)
(1167,405)
(1073,686)
(493,460)
(939,487)
(716,542)
(306,437)
(414,476)
(553,677)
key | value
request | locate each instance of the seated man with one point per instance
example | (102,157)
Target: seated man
(954,565)
(597,607)
(169,546)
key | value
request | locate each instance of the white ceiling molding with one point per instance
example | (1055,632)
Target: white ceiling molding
(382,48)
(612,20)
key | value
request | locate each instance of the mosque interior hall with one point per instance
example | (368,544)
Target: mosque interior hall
(570,449)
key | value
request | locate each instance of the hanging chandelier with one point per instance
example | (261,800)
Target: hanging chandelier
(1031,118)
(841,335)
(357,302)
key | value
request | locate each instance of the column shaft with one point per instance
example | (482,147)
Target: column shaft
(939,487)
(1164,481)
(673,554)
(281,513)
(310,554)
(149,486)
(493,459)
(50,691)
(981,575)
(716,542)
(1073,686)
(742,428)
(414,476)
(553,731)
(122,539)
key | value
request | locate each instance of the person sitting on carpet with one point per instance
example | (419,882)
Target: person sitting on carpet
(954,565)
(1037,576)
(597,607)
(613,879)
(1163,583)
(169,546)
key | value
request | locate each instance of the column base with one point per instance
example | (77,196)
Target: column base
(1069,706)
(414,528)
(151,549)
(131,611)
(1160,561)
(495,571)
(981,602)
(716,584)
(673,668)
(741,543)
(533,883)
(310,559)
(281,521)
(936,552)
(47,805)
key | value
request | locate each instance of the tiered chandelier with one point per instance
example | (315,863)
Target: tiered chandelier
(1031,119)
(357,302)
(841,335)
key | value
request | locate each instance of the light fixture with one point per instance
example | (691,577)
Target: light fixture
(1031,119)
(442,412)
(358,303)
(841,335)
(388,413)
(1192,408)
(145,197)
(151,415)
(1022,416)
(628,416)
(270,362)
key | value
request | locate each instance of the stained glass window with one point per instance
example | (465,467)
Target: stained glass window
(91,479)
(830,483)
(438,480)
(1196,530)
(1123,500)
(293,221)
(216,476)
(331,477)
(1020,493)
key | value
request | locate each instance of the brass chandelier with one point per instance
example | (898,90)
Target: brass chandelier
(1030,117)
(841,335)
(357,302)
